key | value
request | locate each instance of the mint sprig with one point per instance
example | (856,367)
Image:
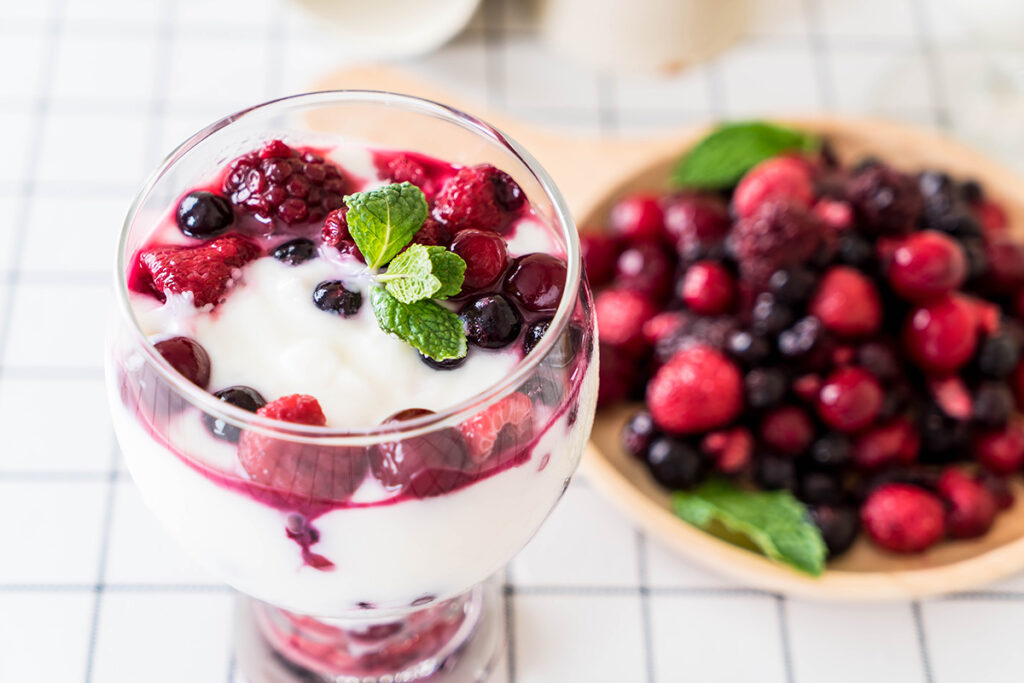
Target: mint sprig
(383,222)
(774,521)
(720,159)
(422,272)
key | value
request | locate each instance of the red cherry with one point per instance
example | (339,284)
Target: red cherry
(638,218)
(850,399)
(925,265)
(486,257)
(788,430)
(600,250)
(708,288)
(187,357)
(893,443)
(1002,450)
(695,222)
(645,267)
(940,337)
(971,508)
(536,281)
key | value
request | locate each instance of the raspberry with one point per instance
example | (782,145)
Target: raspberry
(777,236)
(205,271)
(903,518)
(972,508)
(303,471)
(941,336)
(278,182)
(638,218)
(847,302)
(335,228)
(600,252)
(697,390)
(787,430)
(785,177)
(695,223)
(887,201)
(621,314)
(646,268)
(927,264)
(708,288)
(850,399)
(730,449)
(469,199)
(498,427)
(893,443)
(1001,451)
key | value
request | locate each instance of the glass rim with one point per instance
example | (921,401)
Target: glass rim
(210,404)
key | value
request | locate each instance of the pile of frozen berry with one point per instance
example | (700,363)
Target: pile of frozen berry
(851,334)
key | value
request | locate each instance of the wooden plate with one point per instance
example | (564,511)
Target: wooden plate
(592,173)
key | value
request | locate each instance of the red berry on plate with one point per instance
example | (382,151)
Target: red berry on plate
(992,217)
(638,218)
(708,288)
(783,177)
(925,265)
(837,215)
(787,430)
(600,251)
(893,443)
(972,508)
(1005,259)
(205,271)
(664,325)
(729,449)
(1001,450)
(850,399)
(941,336)
(695,223)
(501,426)
(536,281)
(621,314)
(486,257)
(697,390)
(952,396)
(903,518)
(646,268)
(616,374)
(847,302)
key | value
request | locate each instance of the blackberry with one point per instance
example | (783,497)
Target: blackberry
(886,201)
(774,472)
(749,348)
(770,316)
(764,387)
(819,486)
(853,249)
(793,285)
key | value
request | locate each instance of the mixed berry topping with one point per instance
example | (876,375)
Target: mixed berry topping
(851,335)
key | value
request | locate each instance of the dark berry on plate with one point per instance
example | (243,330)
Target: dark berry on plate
(205,271)
(831,450)
(696,223)
(819,486)
(1001,450)
(536,281)
(778,235)
(792,285)
(708,288)
(941,336)
(782,178)
(674,463)
(747,347)
(764,387)
(959,222)
(486,257)
(638,218)
(447,364)
(242,397)
(971,191)
(993,404)
(971,508)
(296,251)
(998,355)
(801,338)
(853,249)
(333,296)
(203,214)
(903,518)
(933,183)
(887,201)
(849,399)
(411,462)
(600,252)
(925,265)
(621,316)
(847,302)
(699,389)
(839,526)
(769,315)
(491,321)
(775,472)
(879,359)
(638,433)
(187,357)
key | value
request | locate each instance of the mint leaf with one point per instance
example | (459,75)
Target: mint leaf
(422,272)
(431,328)
(774,521)
(720,160)
(383,221)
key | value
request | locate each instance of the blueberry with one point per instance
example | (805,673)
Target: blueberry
(839,525)
(296,251)
(242,397)
(793,285)
(819,486)
(674,464)
(831,450)
(774,472)
(333,297)
(854,250)
(764,387)
(993,404)
(638,433)
(203,214)
(770,316)
(998,355)
(747,347)
(491,321)
(449,364)
(801,338)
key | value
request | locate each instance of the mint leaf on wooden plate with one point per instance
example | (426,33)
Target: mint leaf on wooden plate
(425,324)
(720,159)
(422,272)
(774,521)
(384,220)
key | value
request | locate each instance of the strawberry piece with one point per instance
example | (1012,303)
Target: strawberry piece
(697,390)
(783,177)
(300,471)
(205,271)
(499,426)
(903,518)
(972,507)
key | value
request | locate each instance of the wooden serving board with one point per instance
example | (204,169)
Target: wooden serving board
(592,172)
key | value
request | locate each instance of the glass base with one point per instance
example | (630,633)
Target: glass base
(457,641)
